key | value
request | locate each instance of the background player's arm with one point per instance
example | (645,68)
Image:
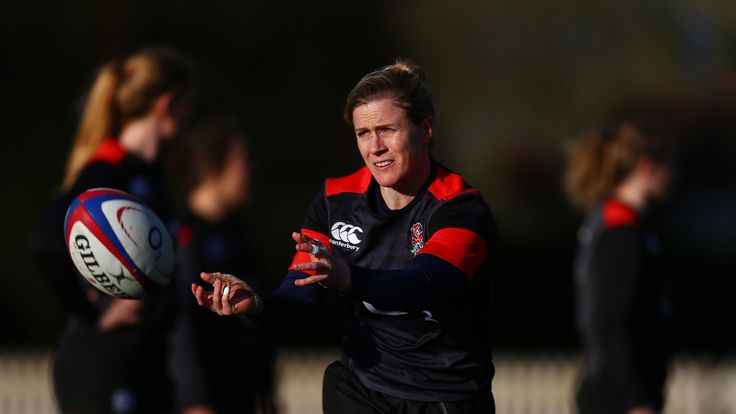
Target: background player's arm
(617,267)
(48,247)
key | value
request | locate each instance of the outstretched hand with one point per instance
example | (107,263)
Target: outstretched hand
(230,295)
(331,271)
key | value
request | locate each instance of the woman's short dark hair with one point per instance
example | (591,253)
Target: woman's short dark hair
(205,149)
(404,82)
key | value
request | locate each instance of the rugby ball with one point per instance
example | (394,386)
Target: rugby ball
(118,244)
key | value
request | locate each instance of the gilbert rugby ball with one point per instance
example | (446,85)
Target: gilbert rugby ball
(118,244)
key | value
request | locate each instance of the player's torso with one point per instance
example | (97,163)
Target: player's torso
(651,301)
(437,345)
(144,182)
(374,241)
(367,239)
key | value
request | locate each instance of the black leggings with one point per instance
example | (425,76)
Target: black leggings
(343,393)
(112,373)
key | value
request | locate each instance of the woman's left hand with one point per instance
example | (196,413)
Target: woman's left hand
(331,271)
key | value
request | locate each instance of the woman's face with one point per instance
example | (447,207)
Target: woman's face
(176,112)
(660,180)
(393,148)
(234,179)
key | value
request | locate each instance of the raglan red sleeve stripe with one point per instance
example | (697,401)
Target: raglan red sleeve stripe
(304,257)
(109,151)
(617,214)
(463,248)
(357,182)
(447,185)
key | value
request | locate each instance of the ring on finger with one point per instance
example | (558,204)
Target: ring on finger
(315,249)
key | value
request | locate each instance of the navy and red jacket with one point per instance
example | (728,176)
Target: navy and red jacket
(623,311)
(420,293)
(110,166)
(134,353)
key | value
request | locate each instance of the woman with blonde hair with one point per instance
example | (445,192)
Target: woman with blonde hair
(111,356)
(623,309)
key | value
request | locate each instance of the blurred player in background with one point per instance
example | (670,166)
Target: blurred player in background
(407,242)
(213,167)
(111,357)
(623,310)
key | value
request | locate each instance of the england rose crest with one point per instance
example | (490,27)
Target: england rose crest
(417,238)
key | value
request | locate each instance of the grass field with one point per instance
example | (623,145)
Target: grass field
(524,384)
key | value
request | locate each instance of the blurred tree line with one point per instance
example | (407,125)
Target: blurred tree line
(514,83)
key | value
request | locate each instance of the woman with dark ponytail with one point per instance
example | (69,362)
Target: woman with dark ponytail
(111,356)
(623,311)
(213,167)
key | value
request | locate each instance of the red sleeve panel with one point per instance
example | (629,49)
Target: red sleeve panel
(463,248)
(357,182)
(109,151)
(617,214)
(447,185)
(304,257)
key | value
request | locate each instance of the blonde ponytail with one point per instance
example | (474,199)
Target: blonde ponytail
(124,91)
(97,122)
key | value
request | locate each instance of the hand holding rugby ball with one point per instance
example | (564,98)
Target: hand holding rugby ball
(119,245)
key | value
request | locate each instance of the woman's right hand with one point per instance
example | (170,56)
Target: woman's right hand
(230,295)
(330,271)
(119,313)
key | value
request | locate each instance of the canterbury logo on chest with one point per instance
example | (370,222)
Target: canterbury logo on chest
(346,235)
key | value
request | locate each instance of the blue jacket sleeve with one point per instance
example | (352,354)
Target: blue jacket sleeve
(290,305)
(461,234)
(418,287)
